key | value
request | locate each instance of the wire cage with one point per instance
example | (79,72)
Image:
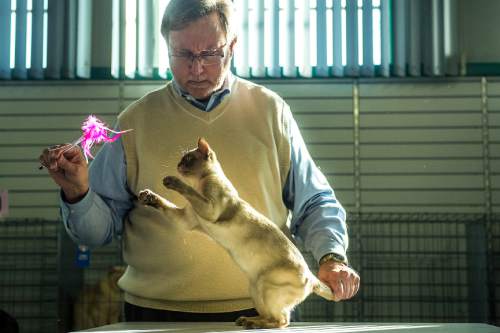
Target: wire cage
(29,273)
(413,267)
(419,268)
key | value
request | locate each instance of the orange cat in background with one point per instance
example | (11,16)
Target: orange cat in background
(99,304)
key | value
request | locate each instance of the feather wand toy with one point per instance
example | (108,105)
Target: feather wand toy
(94,131)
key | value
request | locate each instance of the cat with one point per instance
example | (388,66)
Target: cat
(278,274)
(99,304)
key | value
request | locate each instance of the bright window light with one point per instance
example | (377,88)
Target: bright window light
(329,33)
(360,32)
(13,33)
(283,31)
(377,57)
(304,34)
(344,34)
(313,40)
(163,61)
(131,38)
(252,34)
(29,29)
(45,31)
(267,33)
(299,34)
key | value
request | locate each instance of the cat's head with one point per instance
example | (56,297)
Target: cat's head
(198,162)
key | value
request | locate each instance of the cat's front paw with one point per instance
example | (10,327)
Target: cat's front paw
(172,182)
(149,198)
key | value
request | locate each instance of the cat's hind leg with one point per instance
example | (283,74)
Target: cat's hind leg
(257,321)
(279,291)
(273,307)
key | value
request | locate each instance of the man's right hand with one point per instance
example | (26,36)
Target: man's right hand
(68,167)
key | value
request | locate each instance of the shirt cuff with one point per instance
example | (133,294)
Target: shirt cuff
(322,251)
(79,208)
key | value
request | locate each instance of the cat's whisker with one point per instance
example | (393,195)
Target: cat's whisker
(181,150)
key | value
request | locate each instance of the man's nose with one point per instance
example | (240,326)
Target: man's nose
(197,65)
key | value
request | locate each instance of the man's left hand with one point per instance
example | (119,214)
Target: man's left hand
(342,279)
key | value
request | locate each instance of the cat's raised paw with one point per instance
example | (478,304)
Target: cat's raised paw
(148,198)
(172,182)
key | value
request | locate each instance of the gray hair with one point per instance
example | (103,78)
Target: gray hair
(180,13)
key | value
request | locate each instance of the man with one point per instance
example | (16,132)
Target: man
(174,274)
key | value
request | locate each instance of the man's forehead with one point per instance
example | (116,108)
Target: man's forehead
(205,32)
(196,45)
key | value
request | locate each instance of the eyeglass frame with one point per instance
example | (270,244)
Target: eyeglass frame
(190,56)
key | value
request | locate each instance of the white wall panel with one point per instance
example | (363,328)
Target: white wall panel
(420,147)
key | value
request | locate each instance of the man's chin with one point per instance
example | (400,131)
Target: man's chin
(200,94)
(199,90)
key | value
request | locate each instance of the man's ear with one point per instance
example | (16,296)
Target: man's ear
(232,45)
(203,147)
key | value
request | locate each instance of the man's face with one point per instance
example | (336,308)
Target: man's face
(201,37)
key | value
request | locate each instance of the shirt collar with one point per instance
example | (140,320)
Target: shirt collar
(214,100)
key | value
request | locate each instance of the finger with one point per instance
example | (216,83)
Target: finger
(353,279)
(50,161)
(58,146)
(355,286)
(358,283)
(43,161)
(348,288)
(338,290)
(70,149)
(59,149)
(64,163)
(49,157)
(73,154)
(52,157)
(343,282)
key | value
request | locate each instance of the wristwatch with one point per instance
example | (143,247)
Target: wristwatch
(333,257)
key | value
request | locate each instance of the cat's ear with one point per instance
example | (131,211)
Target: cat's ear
(203,147)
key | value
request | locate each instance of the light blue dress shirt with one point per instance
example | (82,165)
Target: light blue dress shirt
(318,219)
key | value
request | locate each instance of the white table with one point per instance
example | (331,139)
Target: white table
(300,327)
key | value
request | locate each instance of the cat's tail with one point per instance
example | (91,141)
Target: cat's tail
(321,289)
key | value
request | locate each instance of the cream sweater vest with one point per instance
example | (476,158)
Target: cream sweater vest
(168,267)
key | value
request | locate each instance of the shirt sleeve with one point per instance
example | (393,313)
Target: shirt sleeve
(318,218)
(98,217)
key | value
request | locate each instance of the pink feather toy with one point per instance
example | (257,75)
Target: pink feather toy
(94,131)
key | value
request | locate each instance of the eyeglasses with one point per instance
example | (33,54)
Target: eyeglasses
(205,58)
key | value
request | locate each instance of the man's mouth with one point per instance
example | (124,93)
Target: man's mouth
(198,84)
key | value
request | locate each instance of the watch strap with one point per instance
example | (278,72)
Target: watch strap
(333,257)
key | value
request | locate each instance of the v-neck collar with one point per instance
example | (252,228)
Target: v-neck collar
(214,100)
(207,117)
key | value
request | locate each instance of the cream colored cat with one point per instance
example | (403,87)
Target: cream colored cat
(278,274)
